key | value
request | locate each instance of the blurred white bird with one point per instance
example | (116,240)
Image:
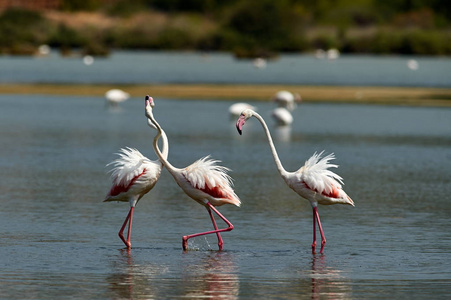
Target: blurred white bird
(412,64)
(286,99)
(333,54)
(282,116)
(115,96)
(259,63)
(88,60)
(236,109)
(320,53)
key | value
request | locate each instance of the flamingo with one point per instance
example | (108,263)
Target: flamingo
(287,99)
(259,63)
(282,116)
(204,181)
(333,54)
(313,181)
(236,109)
(116,96)
(133,175)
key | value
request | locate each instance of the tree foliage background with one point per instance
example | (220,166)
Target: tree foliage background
(245,27)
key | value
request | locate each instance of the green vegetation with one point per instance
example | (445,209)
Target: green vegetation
(248,28)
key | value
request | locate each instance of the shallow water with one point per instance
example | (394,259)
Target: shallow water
(126,67)
(60,239)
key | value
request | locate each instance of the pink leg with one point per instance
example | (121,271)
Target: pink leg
(129,218)
(323,238)
(220,243)
(314,231)
(217,231)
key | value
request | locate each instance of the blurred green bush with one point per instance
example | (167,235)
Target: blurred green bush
(248,28)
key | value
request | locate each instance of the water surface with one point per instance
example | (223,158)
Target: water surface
(126,67)
(60,239)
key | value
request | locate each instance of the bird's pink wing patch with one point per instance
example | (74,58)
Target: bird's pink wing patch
(123,188)
(335,193)
(216,192)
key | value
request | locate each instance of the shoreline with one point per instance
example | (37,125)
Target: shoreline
(416,96)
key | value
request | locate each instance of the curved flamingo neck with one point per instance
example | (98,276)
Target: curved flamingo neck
(162,156)
(279,166)
(165,147)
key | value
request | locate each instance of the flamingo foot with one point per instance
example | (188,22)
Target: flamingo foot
(128,244)
(220,245)
(185,243)
(314,247)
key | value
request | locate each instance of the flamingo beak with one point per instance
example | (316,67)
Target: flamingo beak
(148,100)
(240,123)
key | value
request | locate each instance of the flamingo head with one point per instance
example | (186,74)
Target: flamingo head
(149,106)
(149,101)
(245,115)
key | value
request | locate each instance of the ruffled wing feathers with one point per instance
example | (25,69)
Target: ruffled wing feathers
(129,165)
(316,174)
(206,175)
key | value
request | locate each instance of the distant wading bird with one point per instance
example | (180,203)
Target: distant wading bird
(286,99)
(133,175)
(236,109)
(116,96)
(313,181)
(204,181)
(282,116)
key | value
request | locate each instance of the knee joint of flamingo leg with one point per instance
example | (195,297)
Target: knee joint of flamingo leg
(185,242)
(230,227)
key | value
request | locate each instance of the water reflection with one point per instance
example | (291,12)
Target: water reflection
(132,280)
(199,274)
(52,160)
(215,276)
(328,283)
(282,133)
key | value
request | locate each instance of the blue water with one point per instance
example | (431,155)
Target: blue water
(59,240)
(176,67)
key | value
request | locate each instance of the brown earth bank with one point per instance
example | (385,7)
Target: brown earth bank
(377,95)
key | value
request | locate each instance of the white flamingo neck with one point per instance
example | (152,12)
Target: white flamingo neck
(279,166)
(165,147)
(163,156)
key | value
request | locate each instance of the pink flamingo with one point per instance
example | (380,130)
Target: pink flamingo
(133,175)
(204,181)
(313,181)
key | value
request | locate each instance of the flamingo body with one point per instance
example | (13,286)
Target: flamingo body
(313,181)
(116,96)
(133,175)
(282,116)
(207,181)
(286,99)
(236,109)
(316,183)
(204,181)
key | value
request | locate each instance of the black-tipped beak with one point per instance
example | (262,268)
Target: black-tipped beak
(147,97)
(239,124)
